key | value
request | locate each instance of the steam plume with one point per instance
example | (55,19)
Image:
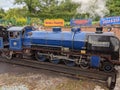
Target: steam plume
(92,7)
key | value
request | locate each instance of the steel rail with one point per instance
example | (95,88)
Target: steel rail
(108,78)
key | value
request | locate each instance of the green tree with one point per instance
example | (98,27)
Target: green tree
(30,4)
(15,13)
(12,15)
(2,13)
(50,8)
(65,9)
(114,7)
(35,6)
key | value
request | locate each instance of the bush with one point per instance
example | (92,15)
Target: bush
(21,21)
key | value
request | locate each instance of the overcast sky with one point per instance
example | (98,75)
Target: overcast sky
(6,4)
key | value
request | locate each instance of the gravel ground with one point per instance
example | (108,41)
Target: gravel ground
(30,81)
(14,77)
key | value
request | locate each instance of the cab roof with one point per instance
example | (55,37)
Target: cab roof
(15,28)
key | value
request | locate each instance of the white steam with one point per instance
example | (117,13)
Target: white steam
(92,7)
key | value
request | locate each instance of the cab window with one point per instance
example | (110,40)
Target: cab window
(14,34)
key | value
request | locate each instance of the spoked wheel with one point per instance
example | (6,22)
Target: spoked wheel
(84,64)
(108,67)
(40,57)
(55,60)
(69,63)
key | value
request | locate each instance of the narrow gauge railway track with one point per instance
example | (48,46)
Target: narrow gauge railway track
(108,78)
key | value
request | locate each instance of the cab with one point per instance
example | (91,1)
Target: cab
(15,37)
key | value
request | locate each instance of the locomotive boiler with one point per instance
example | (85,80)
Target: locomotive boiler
(74,48)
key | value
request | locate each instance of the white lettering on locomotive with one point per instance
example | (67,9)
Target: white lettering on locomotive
(100,44)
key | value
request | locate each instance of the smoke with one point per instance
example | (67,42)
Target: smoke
(92,7)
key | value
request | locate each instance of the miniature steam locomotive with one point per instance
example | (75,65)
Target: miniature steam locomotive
(75,48)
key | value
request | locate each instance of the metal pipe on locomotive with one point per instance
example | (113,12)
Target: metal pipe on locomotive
(86,50)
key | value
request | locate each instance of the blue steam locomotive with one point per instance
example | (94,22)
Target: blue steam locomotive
(74,48)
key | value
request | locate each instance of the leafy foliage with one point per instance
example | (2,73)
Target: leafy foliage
(2,13)
(15,13)
(50,8)
(37,10)
(21,21)
(114,7)
(31,4)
